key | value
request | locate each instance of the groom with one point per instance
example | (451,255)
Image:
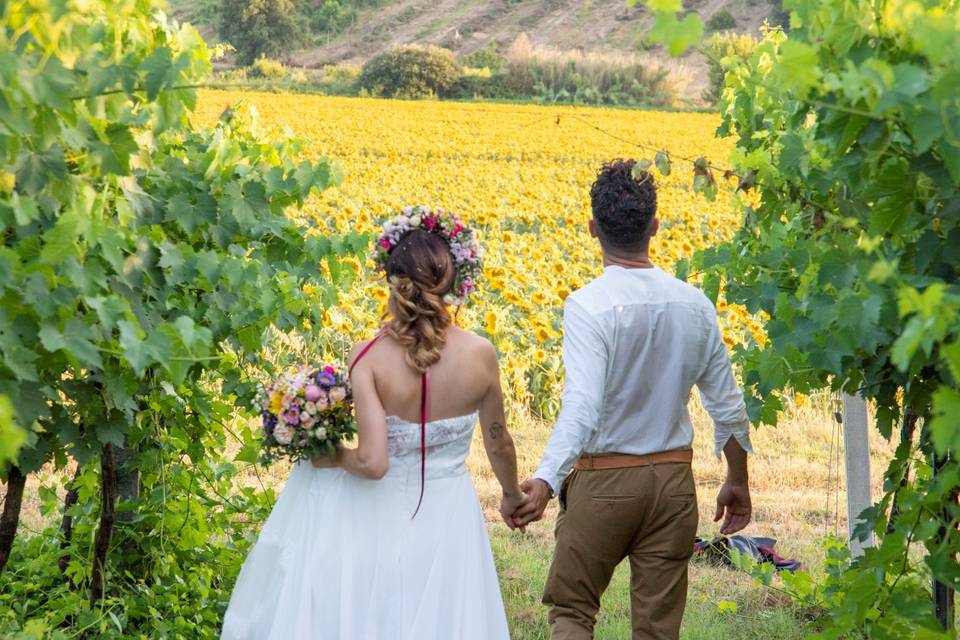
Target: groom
(636,340)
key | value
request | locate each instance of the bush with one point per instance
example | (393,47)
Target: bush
(410,71)
(723,51)
(341,74)
(486,58)
(268,69)
(721,21)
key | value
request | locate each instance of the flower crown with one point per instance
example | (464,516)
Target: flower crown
(464,246)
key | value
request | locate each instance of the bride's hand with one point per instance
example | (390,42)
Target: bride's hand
(509,504)
(327,462)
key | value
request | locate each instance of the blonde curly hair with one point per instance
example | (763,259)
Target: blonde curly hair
(420,272)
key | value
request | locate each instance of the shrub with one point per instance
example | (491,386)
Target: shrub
(723,51)
(410,71)
(488,58)
(341,74)
(721,21)
(268,69)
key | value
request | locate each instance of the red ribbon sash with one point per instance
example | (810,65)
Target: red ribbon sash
(424,408)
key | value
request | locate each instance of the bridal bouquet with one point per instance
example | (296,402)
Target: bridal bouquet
(306,412)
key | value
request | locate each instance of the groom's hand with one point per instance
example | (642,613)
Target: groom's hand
(538,495)
(734,502)
(509,505)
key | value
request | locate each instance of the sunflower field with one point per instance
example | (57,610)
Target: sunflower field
(520,174)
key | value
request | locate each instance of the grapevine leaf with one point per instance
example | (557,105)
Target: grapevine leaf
(711,286)
(136,352)
(945,425)
(676,35)
(797,69)
(12,437)
(662,159)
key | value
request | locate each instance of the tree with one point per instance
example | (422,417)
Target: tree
(261,28)
(144,263)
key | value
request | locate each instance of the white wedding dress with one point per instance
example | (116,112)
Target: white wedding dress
(340,558)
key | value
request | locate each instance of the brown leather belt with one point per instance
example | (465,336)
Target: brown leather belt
(602,461)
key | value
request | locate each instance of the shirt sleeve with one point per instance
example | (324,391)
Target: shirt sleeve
(585,365)
(721,396)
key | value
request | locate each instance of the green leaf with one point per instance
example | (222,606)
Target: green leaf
(951,355)
(12,437)
(113,154)
(681,269)
(797,68)
(135,351)
(111,432)
(249,453)
(676,35)
(711,286)
(662,160)
(25,209)
(945,425)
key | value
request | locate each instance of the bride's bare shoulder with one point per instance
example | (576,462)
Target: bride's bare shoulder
(361,348)
(474,344)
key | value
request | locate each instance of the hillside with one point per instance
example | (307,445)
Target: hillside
(465,26)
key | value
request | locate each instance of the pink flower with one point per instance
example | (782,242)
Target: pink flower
(330,370)
(292,415)
(457,229)
(322,403)
(338,394)
(385,243)
(308,422)
(430,223)
(312,393)
(283,434)
(310,407)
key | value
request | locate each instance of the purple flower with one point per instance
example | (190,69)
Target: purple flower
(326,379)
(269,422)
(292,416)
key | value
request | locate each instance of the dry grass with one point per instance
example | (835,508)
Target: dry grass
(643,78)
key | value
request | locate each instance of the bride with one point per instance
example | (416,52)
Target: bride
(388,541)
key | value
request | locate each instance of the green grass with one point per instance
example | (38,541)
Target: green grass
(523,561)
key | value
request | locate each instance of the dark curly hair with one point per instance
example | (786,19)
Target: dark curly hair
(624,204)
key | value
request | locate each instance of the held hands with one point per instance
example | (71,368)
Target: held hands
(734,500)
(538,494)
(509,504)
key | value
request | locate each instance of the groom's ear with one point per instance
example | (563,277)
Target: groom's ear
(654,226)
(594,233)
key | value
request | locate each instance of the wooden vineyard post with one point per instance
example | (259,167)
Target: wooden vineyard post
(856,453)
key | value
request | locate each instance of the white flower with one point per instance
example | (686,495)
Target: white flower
(283,433)
(416,220)
(321,433)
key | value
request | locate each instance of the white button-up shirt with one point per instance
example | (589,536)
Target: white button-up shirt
(635,342)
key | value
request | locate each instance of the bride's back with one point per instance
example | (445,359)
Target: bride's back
(458,381)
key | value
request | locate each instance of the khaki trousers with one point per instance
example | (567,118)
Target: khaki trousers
(648,514)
